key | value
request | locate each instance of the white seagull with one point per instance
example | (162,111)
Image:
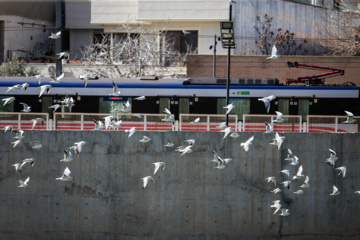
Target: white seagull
(186,32)
(332,159)
(247,144)
(39,78)
(15,87)
(186,149)
(36,121)
(279,118)
(108,120)
(131,131)
(299,174)
(116,124)
(126,107)
(57,79)
(159,165)
(335,191)
(116,91)
(276,190)
(69,102)
(78,147)
(145,139)
(8,100)
(8,127)
(86,78)
(146,180)
(23,183)
(267,101)
(16,143)
(55,107)
(64,54)
(273,53)
(299,192)
(286,172)
(65,176)
(286,184)
(277,205)
(234,135)
(44,88)
(36,145)
(31,161)
(341,170)
(25,86)
(18,167)
(229,108)
(226,131)
(349,118)
(169,144)
(67,156)
(190,141)
(306,182)
(19,134)
(269,128)
(196,121)
(272,179)
(278,140)
(284,212)
(140,98)
(56,35)
(26,107)
(99,125)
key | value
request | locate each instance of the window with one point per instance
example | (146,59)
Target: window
(242,106)
(175,45)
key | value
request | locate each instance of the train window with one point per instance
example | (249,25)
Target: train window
(108,104)
(8,107)
(164,103)
(283,106)
(242,106)
(303,108)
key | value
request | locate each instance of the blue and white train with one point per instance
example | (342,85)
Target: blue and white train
(191,95)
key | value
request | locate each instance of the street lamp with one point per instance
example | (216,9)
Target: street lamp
(214,58)
(228,41)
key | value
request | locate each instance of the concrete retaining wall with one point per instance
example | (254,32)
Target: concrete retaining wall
(189,200)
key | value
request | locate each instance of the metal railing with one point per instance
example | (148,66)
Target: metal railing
(326,123)
(207,122)
(155,122)
(20,120)
(256,123)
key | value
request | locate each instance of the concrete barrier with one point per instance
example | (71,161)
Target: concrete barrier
(190,199)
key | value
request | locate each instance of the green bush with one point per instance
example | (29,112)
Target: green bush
(17,68)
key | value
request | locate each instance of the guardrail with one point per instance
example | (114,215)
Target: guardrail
(325,123)
(155,122)
(20,120)
(206,123)
(256,123)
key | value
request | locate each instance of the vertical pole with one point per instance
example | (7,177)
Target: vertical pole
(214,70)
(228,72)
(58,41)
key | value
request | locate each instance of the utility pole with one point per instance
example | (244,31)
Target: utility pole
(59,27)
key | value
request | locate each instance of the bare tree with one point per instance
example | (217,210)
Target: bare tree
(284,40)
(340,30)
(136,50)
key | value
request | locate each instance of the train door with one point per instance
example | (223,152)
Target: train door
(303,108)
(283,106)
(176,105)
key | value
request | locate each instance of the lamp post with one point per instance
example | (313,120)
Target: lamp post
(228,41)
(214,58)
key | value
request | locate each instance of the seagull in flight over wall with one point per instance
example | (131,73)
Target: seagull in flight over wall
(65,176)
(56,35)
(247,144)
(273,53)
(349,118)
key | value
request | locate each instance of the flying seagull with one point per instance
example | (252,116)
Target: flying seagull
(116,91)
(146,180)
(227,131)
(55,107)
(67,156)
(159,165)
(65,176)
(273,53)
(306,182)
(64,54)
(247,144)
(8,100)
(78,147)
(39,78)
(36,145)
(26,107)
(277,205)
(145,139)
(25,86)
(131,131)
(349,118)
(269,129)
(279,118)
(86,78)
(169,144)
(278,140)
(332,159)
(272,179)
(341,170)
(57,79)
(186,32)
(19,134)
(335,191)
(140,98)
(284,212)
(196,121)
(229,108)
(56,35)
(36,121)
(267,101)
(15,87)
(44,88)
(23,183)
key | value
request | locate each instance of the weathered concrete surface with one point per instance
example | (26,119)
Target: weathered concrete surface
(189,200)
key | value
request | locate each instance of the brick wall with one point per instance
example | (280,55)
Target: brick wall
(260,67)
